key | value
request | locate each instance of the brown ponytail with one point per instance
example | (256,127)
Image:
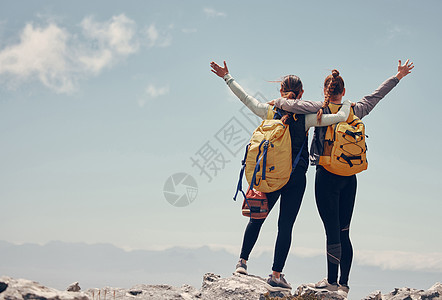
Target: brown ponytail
(333,85)
(291,86)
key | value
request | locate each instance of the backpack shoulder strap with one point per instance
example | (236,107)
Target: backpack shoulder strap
(352,117)
(298,156)
(270,112)
(241,174)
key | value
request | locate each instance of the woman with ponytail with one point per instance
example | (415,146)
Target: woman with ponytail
(333,85)
(291,194)
(335,194)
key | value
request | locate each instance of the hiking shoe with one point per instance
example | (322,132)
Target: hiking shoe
(241,267)
(275,285)
(324,286)
(344,288)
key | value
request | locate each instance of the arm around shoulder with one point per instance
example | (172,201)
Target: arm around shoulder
(328,119)
(298,106)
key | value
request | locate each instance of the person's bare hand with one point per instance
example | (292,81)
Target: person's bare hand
(404,70)
(271,103)
(218,70)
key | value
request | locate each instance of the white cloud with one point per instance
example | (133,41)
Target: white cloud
(398,260)
(394,31)
(157,39)
(114,38)
(154,91)
(116,34)
(307,252)
(151,92)
(141,102)
(152,34)
(58,59)
(386,260)
(95,62)
(211,13)
(41,53)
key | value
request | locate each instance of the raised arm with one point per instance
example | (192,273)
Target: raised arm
(257,107)
(328,119)
(367,103)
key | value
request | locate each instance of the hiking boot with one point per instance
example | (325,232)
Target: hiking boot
(323,285)
(344,289)
(241,267)
(275,285)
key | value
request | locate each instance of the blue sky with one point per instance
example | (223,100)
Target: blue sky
(101,102)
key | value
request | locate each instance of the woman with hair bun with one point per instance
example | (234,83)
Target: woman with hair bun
(335,194)
(291,193)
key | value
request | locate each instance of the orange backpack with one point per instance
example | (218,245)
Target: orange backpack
(344,146)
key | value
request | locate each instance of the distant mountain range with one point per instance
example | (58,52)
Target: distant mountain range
(58,264)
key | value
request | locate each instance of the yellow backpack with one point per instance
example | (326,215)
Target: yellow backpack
(344,146)
(267,162)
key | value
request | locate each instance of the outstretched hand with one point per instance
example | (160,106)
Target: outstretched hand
(218,70)
(404,70)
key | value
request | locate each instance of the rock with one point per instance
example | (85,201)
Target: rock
(376,295)
(237,286)
(25,289)
(276,296)
(403,294)
(209,278)
(213,287)
(144,291)
(304,290)
(74,287)
(135,292)
(437,286)
(433,293)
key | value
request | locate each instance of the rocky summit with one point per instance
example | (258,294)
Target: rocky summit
(11,289)
(213,288)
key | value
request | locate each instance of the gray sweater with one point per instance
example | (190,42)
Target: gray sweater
(361,109)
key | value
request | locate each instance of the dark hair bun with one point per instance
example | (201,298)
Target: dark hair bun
(335,73)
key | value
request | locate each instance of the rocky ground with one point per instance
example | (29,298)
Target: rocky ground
(213,288)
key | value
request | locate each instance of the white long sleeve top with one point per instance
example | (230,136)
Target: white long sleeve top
(260,109)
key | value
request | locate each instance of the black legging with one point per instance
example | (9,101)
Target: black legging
(291,198)
(335,199)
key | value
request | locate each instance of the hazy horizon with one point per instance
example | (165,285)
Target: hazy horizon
(57,264)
